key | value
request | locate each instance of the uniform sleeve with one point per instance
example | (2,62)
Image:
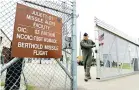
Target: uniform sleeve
(93,44)
(85,45)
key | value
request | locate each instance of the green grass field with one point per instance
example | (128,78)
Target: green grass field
(2,84)
(29,87)
(125,66)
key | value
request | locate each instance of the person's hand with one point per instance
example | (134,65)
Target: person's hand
(95,51)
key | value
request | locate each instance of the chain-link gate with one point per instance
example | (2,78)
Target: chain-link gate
(117,53)
(38,73)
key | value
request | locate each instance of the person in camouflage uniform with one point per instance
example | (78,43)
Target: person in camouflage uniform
(86,47)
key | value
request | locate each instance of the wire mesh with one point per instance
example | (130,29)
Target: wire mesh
(34,73)
(117,55)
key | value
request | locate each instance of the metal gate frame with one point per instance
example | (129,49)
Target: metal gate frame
(100,24)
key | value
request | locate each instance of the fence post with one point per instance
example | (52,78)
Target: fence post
(74,48)
(136,63)
(98,69)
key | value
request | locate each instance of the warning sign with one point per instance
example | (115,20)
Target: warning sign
(37,34)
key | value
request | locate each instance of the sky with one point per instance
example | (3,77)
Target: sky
(121,14)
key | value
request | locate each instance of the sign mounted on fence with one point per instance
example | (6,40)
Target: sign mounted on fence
(36,34)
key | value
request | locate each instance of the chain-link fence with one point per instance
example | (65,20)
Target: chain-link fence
(117,53)
(36,73)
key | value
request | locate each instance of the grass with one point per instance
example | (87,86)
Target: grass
(29,87)
(126,66)
(2,84)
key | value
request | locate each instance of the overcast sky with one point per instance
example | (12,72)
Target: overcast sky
(122,14)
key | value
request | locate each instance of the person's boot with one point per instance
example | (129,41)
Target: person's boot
(89,77)
(86,78)
(87,74)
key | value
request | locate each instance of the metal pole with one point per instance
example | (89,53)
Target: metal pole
(98,69)
(137,56)
(80,48)
(40,60)
(1,45)
(5,35)
(129,53)
(1,56)
(14,60)
(65,70)
(117,54)
(74,48)
(67,59)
